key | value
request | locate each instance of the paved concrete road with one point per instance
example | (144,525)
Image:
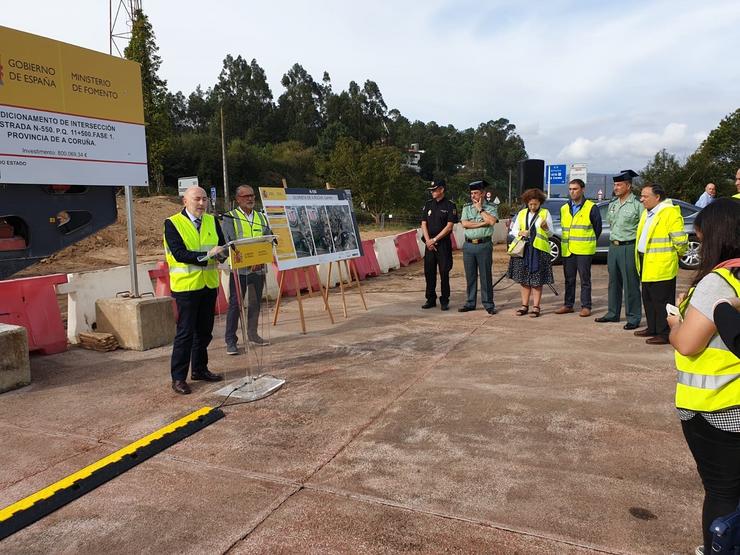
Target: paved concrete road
(399,430)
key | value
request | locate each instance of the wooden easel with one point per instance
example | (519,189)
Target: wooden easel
(351,272)
(299,297)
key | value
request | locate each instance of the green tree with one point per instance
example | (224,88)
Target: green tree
(243,93)
(362,111)
(194,154)
(715,161)
(717,158)
(496,149)
(299,107)
(201,113)
(143,49)
(374,174)
(664,169)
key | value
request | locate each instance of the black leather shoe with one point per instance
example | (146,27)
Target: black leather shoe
(657,340)
(181,387)
(207,376)
(644,333)
(492,310)
(602,319)
(629,326)
(465,308)
(444,306)
(429,304)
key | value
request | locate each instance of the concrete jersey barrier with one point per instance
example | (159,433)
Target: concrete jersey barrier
(84,288)
(385,252)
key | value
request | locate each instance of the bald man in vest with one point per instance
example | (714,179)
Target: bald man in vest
(737,184)
(190,236)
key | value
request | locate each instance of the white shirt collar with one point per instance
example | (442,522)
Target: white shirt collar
(657,208)
(192,218)
(250,216)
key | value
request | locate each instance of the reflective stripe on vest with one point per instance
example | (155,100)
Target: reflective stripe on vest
(190,277)
(241,224)
(666,241)
(541,241)
(708,381)
(578,235)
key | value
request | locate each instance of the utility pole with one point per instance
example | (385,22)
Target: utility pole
(509,186)
(223,156)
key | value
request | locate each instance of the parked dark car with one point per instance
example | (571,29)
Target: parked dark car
(690,261)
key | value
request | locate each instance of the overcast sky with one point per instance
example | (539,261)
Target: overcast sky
(608,84)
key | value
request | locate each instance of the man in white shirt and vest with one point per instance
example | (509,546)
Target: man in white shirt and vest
(708,196)
(580,222)
(661,239)
(190,235)
(244,221)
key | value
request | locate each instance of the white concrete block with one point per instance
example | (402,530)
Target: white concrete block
(459,232)
(499,233)
(84,288)
(272,288)
(15,364)
(420,243)
(385,251)
(323,270)
(271,285)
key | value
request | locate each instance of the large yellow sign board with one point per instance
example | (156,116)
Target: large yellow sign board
(68,115)
(44,74)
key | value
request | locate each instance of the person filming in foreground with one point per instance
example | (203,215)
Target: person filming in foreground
(708,388)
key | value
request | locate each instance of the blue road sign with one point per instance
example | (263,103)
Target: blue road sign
(556,174)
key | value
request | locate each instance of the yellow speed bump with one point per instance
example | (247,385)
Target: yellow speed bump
(37,505)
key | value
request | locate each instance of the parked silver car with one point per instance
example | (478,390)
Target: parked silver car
(689,261)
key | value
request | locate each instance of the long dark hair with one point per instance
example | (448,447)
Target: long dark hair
(719,225)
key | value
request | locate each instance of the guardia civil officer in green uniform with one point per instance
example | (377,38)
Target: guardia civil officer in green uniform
(437,219)
(623,215)
(478,218)
(189,235)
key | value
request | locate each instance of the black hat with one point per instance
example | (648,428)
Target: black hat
(437,183)
(625,175)
(478,185)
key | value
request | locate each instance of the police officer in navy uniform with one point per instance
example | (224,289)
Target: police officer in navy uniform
(437,219)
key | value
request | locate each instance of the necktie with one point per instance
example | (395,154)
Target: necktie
(197,223)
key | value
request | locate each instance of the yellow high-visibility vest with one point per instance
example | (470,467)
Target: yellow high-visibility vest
(710,380)
(578,235)
(243,228)
(736,196)
(190,277)
(666,241)
(541,241)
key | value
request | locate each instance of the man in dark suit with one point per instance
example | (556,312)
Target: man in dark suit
(191,236)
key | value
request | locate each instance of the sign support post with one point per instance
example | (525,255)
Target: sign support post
(131,242)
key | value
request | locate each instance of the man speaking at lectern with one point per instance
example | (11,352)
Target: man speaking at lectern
(244,221)
(189,235)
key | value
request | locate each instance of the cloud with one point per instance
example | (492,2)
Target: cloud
(674,138)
